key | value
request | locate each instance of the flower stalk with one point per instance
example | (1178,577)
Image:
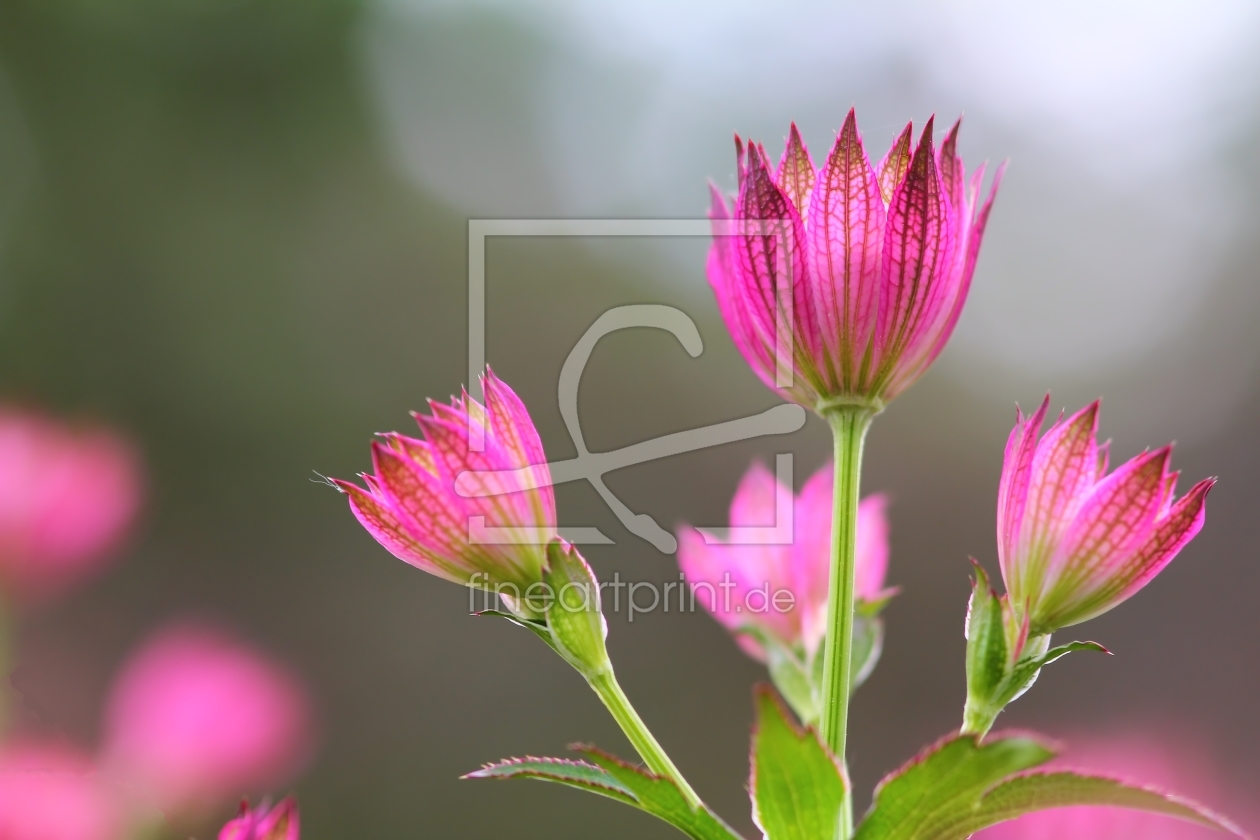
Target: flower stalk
(849,424)
(609,690)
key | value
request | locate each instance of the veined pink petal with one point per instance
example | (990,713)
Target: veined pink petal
(796,173)
(1013,489)
(1171,534)
(771,268)
(850,279)
(1062,474)
(894,166)
(375,515)
(846,237)
(918,246)
(1118,514)
(412,505)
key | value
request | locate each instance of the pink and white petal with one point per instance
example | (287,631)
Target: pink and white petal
(811,551)
(845,233)
(753,504)
(514,429)
(871,554)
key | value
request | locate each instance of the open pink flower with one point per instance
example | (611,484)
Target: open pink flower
(196,718)
(67,497)
(738,583)
(1136,759)
(494,526)
(1075,541)
(264,823)
(866,267)
(51,792)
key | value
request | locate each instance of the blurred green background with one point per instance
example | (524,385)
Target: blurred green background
(238,230)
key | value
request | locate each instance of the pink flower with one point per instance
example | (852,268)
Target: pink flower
(1075,541)
(50,792)
(195,719)
(263,823)
(491,530)
(1135,759)
(67,497)
(738,583)
(869,266)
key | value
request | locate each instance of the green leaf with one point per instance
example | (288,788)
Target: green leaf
(1041,791)
(797,785)
(576,774)
(609,776)
(943,784)
(661,798)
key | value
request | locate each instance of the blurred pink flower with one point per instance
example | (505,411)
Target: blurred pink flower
(1074,541)
(264,823)
(50,792)
(195,719)
(413,508)
(869,265)
(1174,765)
(67,497)
(737,582)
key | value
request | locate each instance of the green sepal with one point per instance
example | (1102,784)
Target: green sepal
(1031,792)
(573,616)
(792,679)
(797,785)
(943,784)
(609,776)
(1003,662)
(538,628)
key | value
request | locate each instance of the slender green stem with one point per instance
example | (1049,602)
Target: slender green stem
(606,686)
(848,428)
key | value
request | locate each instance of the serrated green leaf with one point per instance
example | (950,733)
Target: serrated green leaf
(1041,791)
(661,798)
(609,776)
(943,784)
(576,774)
(797,786)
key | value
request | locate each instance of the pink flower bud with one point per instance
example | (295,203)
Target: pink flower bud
(264,823)
(475,515)
(196,719)
(67,497)
(862,269)
(738,583)
(51,792)
(1074,540)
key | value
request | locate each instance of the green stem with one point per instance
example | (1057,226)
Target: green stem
(606,686)
(848,428)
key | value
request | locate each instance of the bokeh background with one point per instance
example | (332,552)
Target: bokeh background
(238,230)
